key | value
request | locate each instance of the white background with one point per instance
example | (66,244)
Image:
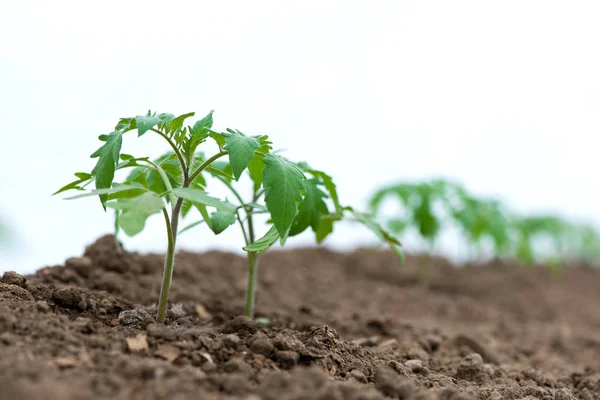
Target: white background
(504,96)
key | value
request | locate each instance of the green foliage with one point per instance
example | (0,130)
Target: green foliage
(197,196)
(197,135)
(108,158)
(265,242)
(133,212)
(284,188)
(175,184)
(82,177)
(419,201)
(310,210)
(431,206)
(242,150)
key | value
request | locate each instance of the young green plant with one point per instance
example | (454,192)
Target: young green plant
(174,184)
(485,220)
(418,201)
(310,201)
(170,185)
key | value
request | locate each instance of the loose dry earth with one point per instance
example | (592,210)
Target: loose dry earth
(342,326)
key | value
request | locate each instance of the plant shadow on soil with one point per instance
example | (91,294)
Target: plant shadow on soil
(342,326)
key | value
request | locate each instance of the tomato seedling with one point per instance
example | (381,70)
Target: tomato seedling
(175,183)
(419,201)
(487,220)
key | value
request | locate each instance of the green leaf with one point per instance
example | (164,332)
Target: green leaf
(257,165)
(325,228)
(397,226)
(382,233)
(241,150)
(126,157)
(176,124)
(221,220)
(265,144)
(311,208)
(146,122)
(426,221)
(152,179)
(135,211)
(201,128)
(108,158)
(201,197)
(81,177)
(126,124)
(264,242)
(198,134)
(218,137)
(123,189)
(329,186)
(220,169)
(256,169)
(257,206)
(284,186)
(204,212)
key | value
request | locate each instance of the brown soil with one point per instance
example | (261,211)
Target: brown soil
(342,326)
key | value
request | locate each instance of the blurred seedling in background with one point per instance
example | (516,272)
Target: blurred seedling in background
(429,206)
(175,184)
(554,240)
(419,202)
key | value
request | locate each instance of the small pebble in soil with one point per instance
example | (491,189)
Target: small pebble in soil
(12,278)
(138,317)
(81,265)
(472,369)
(235,384)
(261,344)
(475,345)
(237,364)
(414,365)
(287,359)
(240,324)
(176,311)
(231,340)
(209,367)
(83,325)
(160,331)
(417,353)
(446,381)
(69,298)
(287,342)
(42,306)
(358,376)
(388,382)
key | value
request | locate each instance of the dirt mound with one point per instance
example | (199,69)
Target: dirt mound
(342,326)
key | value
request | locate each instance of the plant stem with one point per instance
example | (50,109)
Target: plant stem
(172,227)
(205,164)
(175,218)
(258,194)
(168,271)
(252,271)
(239,218)
(176,151)
(165,179)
